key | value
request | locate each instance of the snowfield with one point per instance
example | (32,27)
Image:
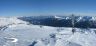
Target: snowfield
(15,32)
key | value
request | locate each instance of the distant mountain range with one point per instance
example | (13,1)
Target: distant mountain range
(62,21)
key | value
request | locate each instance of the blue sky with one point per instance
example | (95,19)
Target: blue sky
(47,7)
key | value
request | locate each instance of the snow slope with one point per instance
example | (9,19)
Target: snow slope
(19,33)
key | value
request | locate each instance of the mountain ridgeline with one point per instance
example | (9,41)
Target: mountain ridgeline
(62,21)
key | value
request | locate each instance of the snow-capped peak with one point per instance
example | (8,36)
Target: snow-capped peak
(57,17)
(79,19)
(93,18)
